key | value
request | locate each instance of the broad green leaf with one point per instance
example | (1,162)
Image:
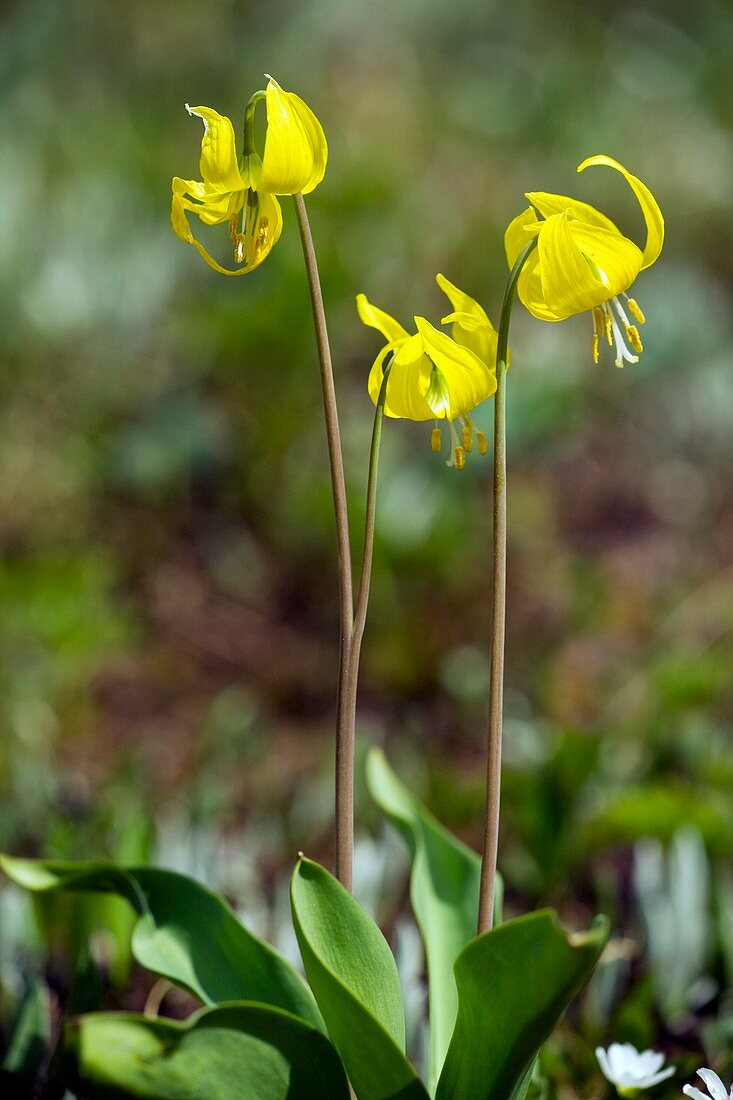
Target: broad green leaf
(230,1052)
(184,932)
(444,891)
(354,978)
(514,984)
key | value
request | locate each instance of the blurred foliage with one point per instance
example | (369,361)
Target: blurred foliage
(167,573)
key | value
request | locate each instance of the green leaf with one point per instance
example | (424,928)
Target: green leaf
(184,932)
(354,977)
(514,983)
(230,1052)
(30,1037)
(444,891)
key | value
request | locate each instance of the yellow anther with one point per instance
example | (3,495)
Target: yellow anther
(596,347)
(460,457)
(609,330)
(635,310)
(467,435)
(435,440)
(632,334)
(599,321)
(482,443)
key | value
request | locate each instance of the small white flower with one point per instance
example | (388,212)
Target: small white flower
(630,1069)
(713,1084)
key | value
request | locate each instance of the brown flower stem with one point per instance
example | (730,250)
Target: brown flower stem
(344,721)
(498,611)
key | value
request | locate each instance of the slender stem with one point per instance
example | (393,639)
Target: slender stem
(344,727)
(362,601)
(498,611)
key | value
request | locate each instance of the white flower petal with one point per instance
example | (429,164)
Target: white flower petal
(690,1090)
(714,1085)
(604,1063)
(655,1078)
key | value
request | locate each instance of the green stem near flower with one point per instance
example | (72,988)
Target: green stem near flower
(498,612)
(345,727)
(248,137)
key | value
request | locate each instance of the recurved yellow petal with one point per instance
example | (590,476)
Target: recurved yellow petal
(649,207)
(211,205)
(296,151)
(548,205)
(376,318)
(179,221)
(468,380)
(471,326)
(257,241)
(218,165)
(462,302)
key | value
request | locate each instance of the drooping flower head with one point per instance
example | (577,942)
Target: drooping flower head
(584,263)
(241,190)
(433,376)
(631,1070)
(716,1088)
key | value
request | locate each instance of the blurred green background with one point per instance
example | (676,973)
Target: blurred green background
(168,618)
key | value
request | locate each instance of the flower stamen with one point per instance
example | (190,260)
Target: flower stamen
(436,440)
(610,320)
(467,433)
(458,458)
(635,310)
(634,339)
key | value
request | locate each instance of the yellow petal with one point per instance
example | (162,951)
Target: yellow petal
(377,371)
(409,381)
(568,284)
(617,259)
(472,327)
(212,206)
(518,233)
(218,163)
(462,302)
(529,285)
(179,221)
(555,204)
(482,340)
(649,207)
(257,245)
(468,380)
(295,145)
(262,228)
(376,318)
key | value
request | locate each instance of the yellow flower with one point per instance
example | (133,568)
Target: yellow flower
(241,190)
(433,377)
(583,262)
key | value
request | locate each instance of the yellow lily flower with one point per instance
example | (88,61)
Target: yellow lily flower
(241,190)
(433,377)
(584,263)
